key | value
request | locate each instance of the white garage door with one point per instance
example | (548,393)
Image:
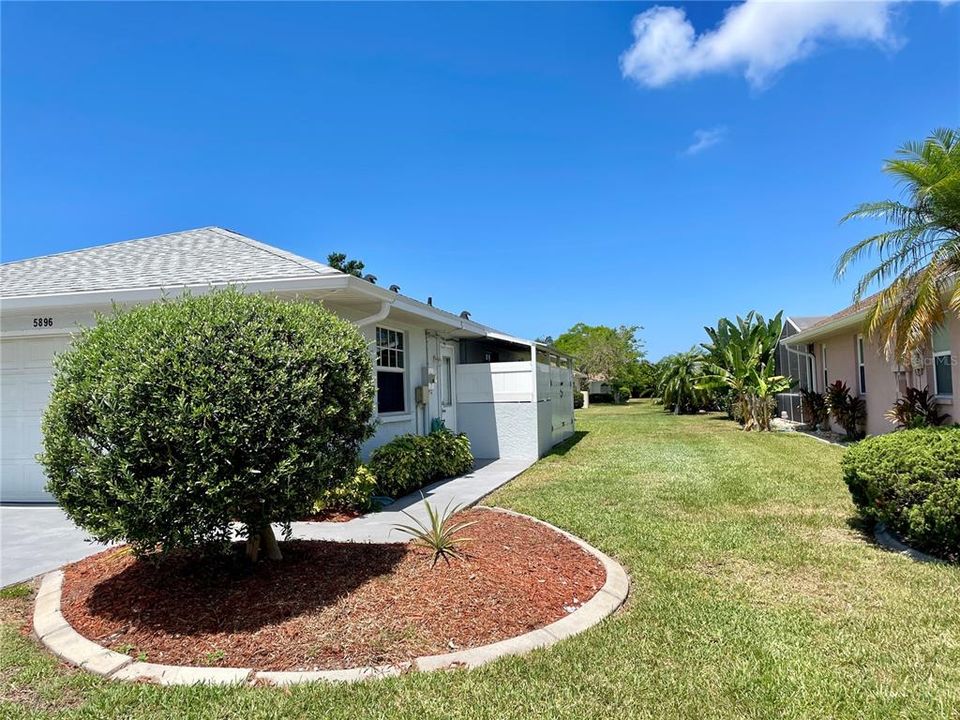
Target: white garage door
(25,373)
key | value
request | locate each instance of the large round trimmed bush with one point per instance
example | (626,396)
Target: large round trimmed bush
(910,480)
(169,421)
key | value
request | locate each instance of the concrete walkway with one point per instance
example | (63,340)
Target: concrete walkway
(36,539)
(378,527)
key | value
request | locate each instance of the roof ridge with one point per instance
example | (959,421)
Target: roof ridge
(110,244)
(278,252)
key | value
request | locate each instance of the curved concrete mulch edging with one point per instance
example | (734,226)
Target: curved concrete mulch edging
(886,538)
(56,634)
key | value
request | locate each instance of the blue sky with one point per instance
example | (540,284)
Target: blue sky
(538,164)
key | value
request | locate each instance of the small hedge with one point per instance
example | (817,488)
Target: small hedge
(910,480)
(409,462)
(353,494)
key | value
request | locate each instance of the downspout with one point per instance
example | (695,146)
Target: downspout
(379,315)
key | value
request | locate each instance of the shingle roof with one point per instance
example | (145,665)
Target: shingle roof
(803,323)
(208,255)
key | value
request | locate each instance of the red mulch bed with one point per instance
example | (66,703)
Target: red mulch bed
(332,605)
(332,516)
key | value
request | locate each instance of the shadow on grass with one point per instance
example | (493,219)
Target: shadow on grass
(863,528)
(188,594)
(567,445)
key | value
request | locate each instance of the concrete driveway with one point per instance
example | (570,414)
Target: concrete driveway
(35,539)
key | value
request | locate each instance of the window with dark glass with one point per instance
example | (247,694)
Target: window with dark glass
(942,362)
(391,371)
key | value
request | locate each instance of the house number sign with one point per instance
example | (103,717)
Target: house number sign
(42,322)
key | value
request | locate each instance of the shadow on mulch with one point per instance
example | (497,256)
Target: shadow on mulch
(247,598)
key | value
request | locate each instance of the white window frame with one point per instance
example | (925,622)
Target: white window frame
(861,366)
(942,353)
(378,368)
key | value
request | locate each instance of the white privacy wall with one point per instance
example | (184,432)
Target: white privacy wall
(515,409)
(496,409)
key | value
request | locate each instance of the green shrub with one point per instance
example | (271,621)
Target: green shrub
(353,494)
(169,421)
(451,454)
(910,480)
(917,408)
(577,399)
(816,414)
(849,411)
(409,462)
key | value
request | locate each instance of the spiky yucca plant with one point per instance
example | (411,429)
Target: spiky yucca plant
(439,533)
(919,257)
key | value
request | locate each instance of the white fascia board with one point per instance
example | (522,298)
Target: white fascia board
(415,307)
(812,334)
(142,294)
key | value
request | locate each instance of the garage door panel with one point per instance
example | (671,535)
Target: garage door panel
(24,393)
(39,352)
(36,391)
(10,358)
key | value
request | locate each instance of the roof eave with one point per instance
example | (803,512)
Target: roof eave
(139,294)
(415,307)
(828,328)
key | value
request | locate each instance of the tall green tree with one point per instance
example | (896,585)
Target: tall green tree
(339,261)
(918,257)
(604,353)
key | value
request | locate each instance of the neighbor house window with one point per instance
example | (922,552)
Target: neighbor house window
(391,371)
(860,365)
(942,362)
(823,361)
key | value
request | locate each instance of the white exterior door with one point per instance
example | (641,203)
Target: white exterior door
(25,375)
(448,386)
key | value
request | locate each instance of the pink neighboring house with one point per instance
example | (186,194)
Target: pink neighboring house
(835,348)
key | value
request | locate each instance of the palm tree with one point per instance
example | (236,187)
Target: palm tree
(679,381)
(919,258)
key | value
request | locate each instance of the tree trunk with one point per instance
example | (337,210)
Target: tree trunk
(266,540)
(253,547)
(269,542)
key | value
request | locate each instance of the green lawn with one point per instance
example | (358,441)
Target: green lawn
(754,595)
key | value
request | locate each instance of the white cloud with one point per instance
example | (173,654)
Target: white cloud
(757,37)
(703,139)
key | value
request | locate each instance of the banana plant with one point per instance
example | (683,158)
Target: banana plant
(742,358)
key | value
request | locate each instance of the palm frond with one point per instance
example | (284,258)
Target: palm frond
(918,258)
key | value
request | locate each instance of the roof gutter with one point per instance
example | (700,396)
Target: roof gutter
(379,315)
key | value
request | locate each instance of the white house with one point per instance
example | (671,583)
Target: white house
(512,397)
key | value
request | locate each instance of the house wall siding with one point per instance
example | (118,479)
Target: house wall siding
(881,374)
(500,429)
